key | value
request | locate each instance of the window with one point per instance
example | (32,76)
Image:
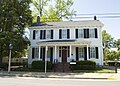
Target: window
(64,34)
(36,34)
(81,53)
(42,34)
(91,33)
(49,34)
(93,52)
(35,53)
(46,34)
(80,33)
(33,34)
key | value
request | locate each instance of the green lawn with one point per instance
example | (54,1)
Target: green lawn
(97,70)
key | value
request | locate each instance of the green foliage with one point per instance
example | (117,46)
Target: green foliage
(41,65)
(3,66)
(84,65)
(19,44)
(105,36)
(15,15)
(55,13)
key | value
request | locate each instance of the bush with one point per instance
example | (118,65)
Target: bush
(16,63)
(84,65)
(3,65)
(40,65)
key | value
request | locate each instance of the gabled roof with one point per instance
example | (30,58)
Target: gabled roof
(95,23)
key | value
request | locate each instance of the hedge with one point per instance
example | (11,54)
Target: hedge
(40,65)
(3,65)
(84,65)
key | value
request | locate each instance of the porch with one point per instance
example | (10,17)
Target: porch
(63,51)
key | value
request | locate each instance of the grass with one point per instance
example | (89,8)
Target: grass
(97,70)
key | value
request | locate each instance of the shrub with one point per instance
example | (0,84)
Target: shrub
(41,65)
(16,63)
(84,65)
(3,65)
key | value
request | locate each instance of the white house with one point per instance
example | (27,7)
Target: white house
(66,41)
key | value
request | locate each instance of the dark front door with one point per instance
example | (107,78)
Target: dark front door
(64,54)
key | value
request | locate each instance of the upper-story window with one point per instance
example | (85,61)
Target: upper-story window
(35,34)
(86,33)
(49,34)
(64,34)
(46,34)
(42,34)
(79,33)
(91,33)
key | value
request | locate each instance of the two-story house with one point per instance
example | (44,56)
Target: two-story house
(66,41)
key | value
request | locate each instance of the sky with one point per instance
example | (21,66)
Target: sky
(111,25)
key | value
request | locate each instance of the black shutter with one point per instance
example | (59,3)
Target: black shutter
(43,54)
(33,34)
(44,34)
(89,52)
(84,33)
(41,32)
(77,54)
(68,33)
(97,55)
(51,34)
(51,54)
(33,50)
(85,53)
(60,34)
(96,35)
(87,31)
(76,32)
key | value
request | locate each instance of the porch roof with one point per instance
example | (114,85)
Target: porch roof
(64,42)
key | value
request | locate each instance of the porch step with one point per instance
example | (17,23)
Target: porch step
(62,67)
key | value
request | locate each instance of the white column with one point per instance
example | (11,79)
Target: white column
(55,53)
(39,51)
(87,52)
(70,52)
(46,49)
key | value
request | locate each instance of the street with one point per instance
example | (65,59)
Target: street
(28,81)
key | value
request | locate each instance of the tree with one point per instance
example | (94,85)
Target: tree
(15,15)
(118,44)
(56,12)
(63,9)
(40,6)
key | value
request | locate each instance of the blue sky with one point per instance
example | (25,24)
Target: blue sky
(111,25)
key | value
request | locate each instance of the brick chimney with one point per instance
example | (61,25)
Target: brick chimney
(38,19)
(95,18)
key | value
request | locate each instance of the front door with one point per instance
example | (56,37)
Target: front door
(64,54)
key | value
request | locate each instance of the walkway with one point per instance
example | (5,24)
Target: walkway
(109,76)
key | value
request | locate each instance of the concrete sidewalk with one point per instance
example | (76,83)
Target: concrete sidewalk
(108,76)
